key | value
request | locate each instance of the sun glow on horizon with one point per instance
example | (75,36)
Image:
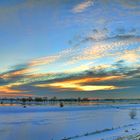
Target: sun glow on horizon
(82,84)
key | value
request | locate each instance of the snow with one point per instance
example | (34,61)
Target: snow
(55,123)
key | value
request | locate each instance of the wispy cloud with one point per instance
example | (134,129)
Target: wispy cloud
(44,60)
(130,4)
(82,6)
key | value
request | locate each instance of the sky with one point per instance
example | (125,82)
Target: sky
(70,48)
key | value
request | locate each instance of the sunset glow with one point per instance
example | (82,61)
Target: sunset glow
(65,48)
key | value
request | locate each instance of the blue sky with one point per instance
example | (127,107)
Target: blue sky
(48,43)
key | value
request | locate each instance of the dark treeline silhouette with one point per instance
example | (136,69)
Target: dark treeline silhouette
(41,99)
(25,100)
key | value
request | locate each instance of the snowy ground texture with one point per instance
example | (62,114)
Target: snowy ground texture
(98,122)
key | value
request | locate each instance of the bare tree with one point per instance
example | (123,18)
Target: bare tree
(132,113)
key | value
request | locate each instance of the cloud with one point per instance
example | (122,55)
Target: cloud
(103,43)
(131,55)
(130,4)
(44,60)
(96,78)
(76,68)
(109,47)
(80,68)
(82,6)
(6,89)
(122,47)
(82,84)
(103,57)
(53,58)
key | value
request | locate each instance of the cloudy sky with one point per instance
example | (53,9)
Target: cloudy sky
(70,48)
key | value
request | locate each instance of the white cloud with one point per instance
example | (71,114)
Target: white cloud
(82,6)
(131,55)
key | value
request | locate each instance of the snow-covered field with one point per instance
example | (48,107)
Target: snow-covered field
(97,122)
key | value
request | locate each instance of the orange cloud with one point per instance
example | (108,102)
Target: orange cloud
(18,73)
(79,84)
(7,89)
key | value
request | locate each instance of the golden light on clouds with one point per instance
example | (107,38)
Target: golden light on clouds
(7,89)
(92,88)
(82,84)
(19,73)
